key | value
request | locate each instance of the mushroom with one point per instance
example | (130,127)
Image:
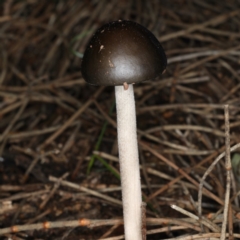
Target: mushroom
(120,54)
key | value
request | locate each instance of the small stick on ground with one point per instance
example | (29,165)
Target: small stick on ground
(228,168)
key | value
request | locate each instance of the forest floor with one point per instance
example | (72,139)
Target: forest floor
(59,170)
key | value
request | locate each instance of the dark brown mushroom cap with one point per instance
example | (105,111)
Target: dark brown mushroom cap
(122,51)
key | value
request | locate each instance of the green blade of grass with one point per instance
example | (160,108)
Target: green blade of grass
(94,156)
(100,137)
(109,167)
(75,39)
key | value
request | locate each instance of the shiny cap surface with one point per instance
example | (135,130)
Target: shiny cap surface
(122,51)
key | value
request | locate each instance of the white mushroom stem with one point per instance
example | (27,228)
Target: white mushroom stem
(129,162)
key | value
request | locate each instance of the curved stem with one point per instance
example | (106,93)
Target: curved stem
(129,162)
